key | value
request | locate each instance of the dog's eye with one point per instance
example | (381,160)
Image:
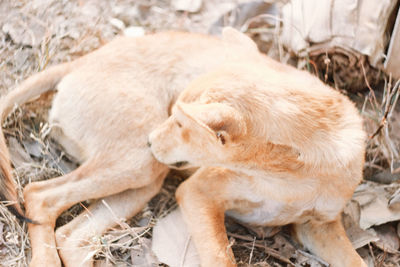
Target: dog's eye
(221,138)
(179,124)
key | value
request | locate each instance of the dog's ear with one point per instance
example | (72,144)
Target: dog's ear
(232,35)
(221,120)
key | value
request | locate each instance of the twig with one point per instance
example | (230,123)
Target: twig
(185,251)
(252,250)
(382,259)
(273,253)
(314,65)
(327,61)
(242,237)
(229,249)
(389,106)
(367,83)
(372,253)
(313,257)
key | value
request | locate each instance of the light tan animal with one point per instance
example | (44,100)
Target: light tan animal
(107,104)
(275,145)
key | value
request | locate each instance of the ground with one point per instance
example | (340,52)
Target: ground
(38,33)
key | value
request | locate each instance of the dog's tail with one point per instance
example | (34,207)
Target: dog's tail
(30,88)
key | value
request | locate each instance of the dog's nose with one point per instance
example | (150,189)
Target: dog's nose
(148,143)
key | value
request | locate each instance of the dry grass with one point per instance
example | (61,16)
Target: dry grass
(57,31)
(382,121)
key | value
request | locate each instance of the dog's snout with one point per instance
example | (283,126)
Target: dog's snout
(148,143)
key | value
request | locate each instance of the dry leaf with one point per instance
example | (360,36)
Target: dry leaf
(21,33)
(351,219)
(388,239)
(134,31)
(394,202)
(192,6)
(261,232)
(117,23)
(18,154)
(398,229)
(385,177)
(242,13)
(33,148)
(172,243)
(285,248)
(1,233)
(21,58)
(364,253)
(359,26)
(351,213)
(142,256)
(306,259)
(360,237)
(374,202)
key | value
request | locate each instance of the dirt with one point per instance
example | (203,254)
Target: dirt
(38,33)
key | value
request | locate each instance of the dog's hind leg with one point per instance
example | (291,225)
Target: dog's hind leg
(329,241)
(96,178)
(77,241)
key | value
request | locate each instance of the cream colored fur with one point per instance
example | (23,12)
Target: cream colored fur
(275,146)
(106,105)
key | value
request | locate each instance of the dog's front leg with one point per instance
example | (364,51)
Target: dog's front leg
(329,241)
(201,200)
